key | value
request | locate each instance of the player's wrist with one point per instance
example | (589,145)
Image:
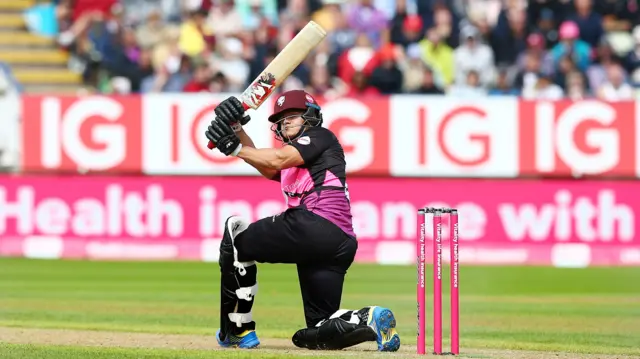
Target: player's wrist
(237,127)
(237,150)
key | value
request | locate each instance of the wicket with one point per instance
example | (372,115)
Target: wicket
(437,279)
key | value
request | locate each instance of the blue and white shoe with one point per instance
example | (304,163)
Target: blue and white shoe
(247,340)
(382,321)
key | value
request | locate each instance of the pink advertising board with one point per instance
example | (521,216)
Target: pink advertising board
(563,223)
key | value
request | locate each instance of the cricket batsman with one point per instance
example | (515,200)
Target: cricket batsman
(315,231)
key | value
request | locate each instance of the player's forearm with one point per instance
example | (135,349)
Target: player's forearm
(245,139)
(266,158)
(247,142)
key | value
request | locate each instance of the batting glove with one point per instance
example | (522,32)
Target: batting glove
(224,137)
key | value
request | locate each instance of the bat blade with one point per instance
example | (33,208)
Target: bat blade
(283,64)
(281,67)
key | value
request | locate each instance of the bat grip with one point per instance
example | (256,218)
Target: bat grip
(212,145)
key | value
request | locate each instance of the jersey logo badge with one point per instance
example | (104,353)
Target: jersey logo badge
(281,101)
(304,140)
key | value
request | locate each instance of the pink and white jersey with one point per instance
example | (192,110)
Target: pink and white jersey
(320,184)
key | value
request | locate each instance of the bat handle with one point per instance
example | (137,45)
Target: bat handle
(212,145)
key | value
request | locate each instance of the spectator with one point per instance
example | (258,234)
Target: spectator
(527,78)
(485,11)
(123,46)
(366,19)
(589,22)
(201,80)
(387,77)
(565,66)
(343,37)
(548,12)
(255,12)
(506,45)
(615,88)
(576,87)
(402,21)
(444,24)
(82,7)
(167,53)
(546,26)
(150,33)
(359,58)
(438,55)
(144,70)
(570,44)
(323,84)
(171,77)
(472,55)
(319,83)
(429,84)
(193,33)
(410,31)
(605,57)
(119,52)
(632,60)
(224,20)
(536,47)
(327,15)
(230,63)
(412,67)
(471,88)
(503,86)
(218,83)
(479,20)
(618,15)
(359,85)
(87,60)
(543,89)
(391,8)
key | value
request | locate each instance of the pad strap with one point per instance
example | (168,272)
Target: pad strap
(241,227)
(240,318)
(247,293)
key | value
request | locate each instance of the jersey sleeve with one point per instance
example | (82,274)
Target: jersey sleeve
(312,144)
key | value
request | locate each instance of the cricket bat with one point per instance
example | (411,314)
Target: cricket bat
(281,67)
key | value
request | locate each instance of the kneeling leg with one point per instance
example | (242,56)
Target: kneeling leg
(345,328)
(238,284)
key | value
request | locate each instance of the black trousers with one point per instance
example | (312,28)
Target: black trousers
(319,248)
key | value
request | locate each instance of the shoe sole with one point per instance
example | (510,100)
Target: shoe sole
(386,324)
(250,344)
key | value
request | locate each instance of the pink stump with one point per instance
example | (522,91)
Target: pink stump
(420,264)
(455,309)
(437,281)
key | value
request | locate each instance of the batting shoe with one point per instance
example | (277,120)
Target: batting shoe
(246,340)
(382,321)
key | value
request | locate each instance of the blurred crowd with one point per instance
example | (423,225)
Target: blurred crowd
(537,49)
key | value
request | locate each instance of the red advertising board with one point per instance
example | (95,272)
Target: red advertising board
(578,138)
(399,136)
(563,223)
(77,134)
(450,137)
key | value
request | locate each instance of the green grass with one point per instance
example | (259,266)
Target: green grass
(64,352)
(594,310)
